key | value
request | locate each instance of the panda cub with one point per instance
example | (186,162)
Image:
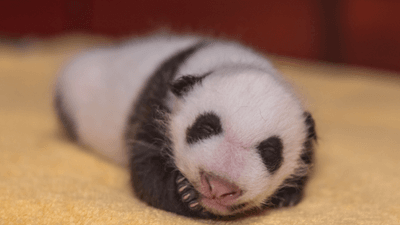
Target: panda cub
(208,128)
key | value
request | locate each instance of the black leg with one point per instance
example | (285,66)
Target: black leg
(160,184)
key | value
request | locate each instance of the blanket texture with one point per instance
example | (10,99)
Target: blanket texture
(46,179)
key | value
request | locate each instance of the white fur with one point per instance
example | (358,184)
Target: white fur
(244,90)
(101,86)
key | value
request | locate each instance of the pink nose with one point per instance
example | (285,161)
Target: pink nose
(214,187)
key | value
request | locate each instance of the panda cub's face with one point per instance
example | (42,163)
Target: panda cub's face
(236,136)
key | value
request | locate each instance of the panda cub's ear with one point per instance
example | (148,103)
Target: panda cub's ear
(310,123)
(183,85)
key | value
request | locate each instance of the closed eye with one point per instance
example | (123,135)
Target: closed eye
(207,129)
(205,126)
(270,151)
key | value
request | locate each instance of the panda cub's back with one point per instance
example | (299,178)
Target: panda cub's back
(98,89)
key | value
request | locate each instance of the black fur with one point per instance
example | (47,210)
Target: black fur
(184,84)
(205,126)
(68,124)
(293,191)
(307,155)
(271,153)
(153,175)
(290,195)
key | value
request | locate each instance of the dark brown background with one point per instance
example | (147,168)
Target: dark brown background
(360,32)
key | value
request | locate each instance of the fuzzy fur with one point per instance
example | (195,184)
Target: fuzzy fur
(135,104)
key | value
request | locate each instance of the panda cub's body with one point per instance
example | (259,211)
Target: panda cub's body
(208,128)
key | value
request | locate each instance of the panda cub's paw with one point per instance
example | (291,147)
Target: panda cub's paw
(287,197)
(187,193)
(190,197)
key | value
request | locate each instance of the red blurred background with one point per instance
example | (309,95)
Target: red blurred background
(360,32)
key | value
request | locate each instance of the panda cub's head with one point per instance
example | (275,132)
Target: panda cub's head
(237,134)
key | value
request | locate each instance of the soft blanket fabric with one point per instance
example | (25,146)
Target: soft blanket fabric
(46,179)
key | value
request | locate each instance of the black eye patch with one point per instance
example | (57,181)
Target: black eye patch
(271,153)
(205,126)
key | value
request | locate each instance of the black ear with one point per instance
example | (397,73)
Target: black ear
(184,84)
(310,125)
(308,152)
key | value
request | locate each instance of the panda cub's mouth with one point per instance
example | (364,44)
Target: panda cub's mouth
(214,194)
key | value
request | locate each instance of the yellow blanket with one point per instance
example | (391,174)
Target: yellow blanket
(45,179)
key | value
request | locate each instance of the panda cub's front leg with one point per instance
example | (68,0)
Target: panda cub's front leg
(160,184)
